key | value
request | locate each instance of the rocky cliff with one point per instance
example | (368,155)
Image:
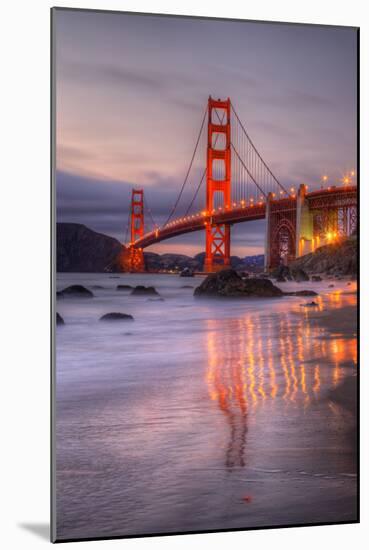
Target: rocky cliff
(332,259)
(81,250)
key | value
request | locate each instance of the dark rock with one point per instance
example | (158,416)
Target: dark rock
(282,272)
(227,283)
(310,304)
(337,258)
(299,275)
(124,287)
(186,272)
(301,293)
(316,278)
(75,291)
(141,290)
(280,279)
(97,287)
(348,284)
(59,319)
(81,250)
(116,317)
(186,286)
(331,286)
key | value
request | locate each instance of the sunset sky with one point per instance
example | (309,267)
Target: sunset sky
(131,92)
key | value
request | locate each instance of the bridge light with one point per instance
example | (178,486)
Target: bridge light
(352,173)
(325,178)
(273,194)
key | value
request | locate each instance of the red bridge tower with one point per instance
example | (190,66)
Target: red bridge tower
(136,257)
(218,180)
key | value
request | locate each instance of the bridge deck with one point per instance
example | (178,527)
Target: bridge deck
(333,197)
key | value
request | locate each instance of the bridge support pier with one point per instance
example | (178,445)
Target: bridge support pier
(304,224)
(218,247)
(135,258)
(267,246)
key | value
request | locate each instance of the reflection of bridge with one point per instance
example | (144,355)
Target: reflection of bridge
(261,360)
(241,187)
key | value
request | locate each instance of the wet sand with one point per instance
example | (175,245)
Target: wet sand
(342,323)
(249,427)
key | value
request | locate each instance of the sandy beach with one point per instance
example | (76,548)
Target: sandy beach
(261,405)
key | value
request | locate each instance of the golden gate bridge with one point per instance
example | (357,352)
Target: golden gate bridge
(238,186)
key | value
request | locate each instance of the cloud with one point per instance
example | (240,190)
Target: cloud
(103,74)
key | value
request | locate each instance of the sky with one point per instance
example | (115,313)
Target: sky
(131,91)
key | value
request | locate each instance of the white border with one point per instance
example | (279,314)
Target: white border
(25,287)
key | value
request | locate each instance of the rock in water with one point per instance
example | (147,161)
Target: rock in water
(282,273)
(141,290)
(59,319)
(316,278)
(75,291)
(116,317)
(302,293)
(186,272)
(299,275)
(124,287)
(227,283)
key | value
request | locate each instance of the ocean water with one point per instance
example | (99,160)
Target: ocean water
(200,414)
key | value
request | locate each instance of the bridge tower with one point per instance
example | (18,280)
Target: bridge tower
(136,257)
(218,180)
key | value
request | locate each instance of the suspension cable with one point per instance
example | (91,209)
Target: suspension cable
(189,169)
(257,152)
(196,192)
(204,172)
(243,164)
(127,226)
(146,206)
(247,170)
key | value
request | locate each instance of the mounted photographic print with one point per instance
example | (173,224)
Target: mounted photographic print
(204,303)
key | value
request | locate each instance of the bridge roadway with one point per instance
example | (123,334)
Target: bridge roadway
(330,198)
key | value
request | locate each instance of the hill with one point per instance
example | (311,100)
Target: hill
(81,250)
(333,259)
